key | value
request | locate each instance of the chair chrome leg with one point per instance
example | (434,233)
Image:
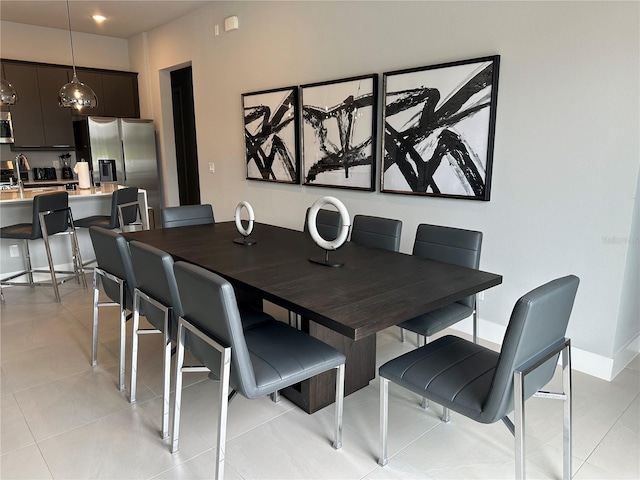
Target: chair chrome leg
(47,248)
(424,403)
(475,320)
(384,421)
(178,396)
(123,337)
(402,334)
(166,382)
(225,371)
(134,346)
(446,415)
(27,261)
(275,397)
(567,426)
(337,442)
(518,416)
(96,297)
(78,267)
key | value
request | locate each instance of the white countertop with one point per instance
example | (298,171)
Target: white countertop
(13,196)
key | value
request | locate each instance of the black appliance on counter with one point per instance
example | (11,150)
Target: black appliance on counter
(66,172)
(44,173)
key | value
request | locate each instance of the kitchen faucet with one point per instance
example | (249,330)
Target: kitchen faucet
(16,169)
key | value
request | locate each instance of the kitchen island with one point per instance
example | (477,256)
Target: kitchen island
(15,208)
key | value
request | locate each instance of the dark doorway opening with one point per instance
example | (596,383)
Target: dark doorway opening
(184,125)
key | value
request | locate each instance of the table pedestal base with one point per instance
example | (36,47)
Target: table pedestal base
(320,391)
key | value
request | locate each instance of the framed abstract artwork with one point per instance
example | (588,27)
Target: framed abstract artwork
(439,126)
(272,151)
(339,132)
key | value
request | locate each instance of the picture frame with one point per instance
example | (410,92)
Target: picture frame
(439,129)
(339,124)
(272,145)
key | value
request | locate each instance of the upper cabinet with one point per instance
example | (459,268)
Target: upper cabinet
(121,95)
(38,120)
(117,93)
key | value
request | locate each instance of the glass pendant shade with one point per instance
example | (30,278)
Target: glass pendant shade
(8,95)
(76,94)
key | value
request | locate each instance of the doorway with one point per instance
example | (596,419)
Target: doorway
(184,126)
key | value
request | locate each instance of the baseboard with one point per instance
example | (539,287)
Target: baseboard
(581,360)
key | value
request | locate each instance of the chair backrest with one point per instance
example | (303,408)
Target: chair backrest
(450,245)
(130,213)
(377,232)
(185,215)
(153,270)
(328,223)
(209,303)
(113,256)
(539,321)
(55,222)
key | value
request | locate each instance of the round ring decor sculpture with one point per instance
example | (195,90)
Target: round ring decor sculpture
(245,232)
(328,245)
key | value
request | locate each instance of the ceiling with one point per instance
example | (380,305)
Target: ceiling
(125,19)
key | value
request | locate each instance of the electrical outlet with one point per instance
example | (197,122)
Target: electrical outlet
(212,168)
(480,296)
(56,164)
(216,30)
(14,252)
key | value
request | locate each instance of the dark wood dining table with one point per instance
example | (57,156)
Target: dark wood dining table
(344,306)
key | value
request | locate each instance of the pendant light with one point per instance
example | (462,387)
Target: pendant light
(8,95)
(76,94)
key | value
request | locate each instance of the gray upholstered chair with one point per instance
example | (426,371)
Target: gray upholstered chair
(328,223)
(115,272)
(51,215)
(125,210)
(376,232)
(254,362)
(450,245)
(158,291)
(485,385)
(185,215)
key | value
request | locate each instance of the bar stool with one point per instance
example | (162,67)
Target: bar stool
(125,210)
(51,216)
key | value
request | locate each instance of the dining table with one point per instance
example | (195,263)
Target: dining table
(343,306)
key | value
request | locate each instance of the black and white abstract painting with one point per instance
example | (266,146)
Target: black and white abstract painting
(339,132)
(271,135)
(439,125)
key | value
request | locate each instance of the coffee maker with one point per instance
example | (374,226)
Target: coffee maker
(67,173)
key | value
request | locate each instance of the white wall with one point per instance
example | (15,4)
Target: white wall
(566,155)
(566,161)
(51,45)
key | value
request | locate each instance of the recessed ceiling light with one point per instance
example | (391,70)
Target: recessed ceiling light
(99,18)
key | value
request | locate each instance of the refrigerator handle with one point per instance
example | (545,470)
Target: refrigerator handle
(124,164)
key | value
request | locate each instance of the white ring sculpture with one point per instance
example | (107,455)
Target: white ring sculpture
(313,229)
(241,229)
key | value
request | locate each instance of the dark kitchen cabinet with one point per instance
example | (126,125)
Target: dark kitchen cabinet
(117,93)
(57,121)
(26,115)
(38,120)
(121,95)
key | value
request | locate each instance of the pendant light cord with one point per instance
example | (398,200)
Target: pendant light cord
(73,59)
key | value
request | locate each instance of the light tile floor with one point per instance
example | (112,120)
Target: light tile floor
(63,419)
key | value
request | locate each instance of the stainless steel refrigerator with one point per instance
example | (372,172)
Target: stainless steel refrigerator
(122,151)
